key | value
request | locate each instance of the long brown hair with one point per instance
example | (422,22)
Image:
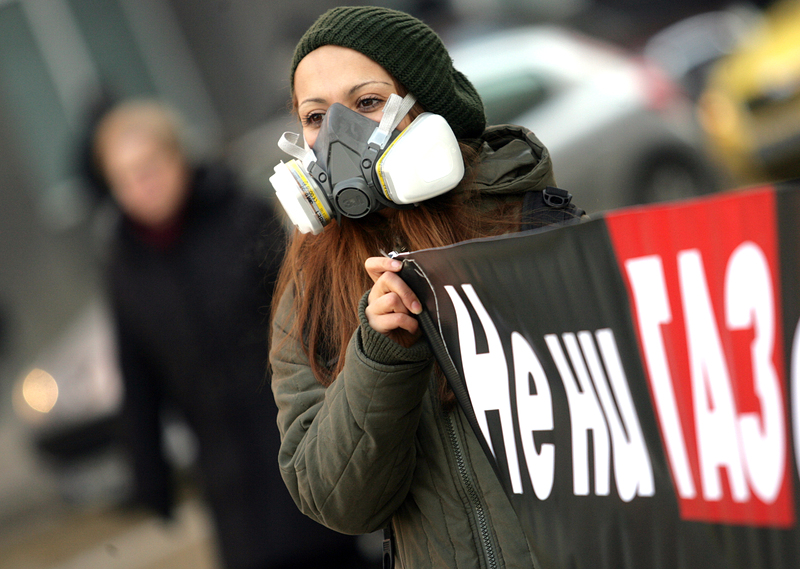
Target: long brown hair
(326,271)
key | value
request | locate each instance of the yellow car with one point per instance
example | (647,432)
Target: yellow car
(750,108)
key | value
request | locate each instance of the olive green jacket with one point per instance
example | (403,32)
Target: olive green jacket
(375,446)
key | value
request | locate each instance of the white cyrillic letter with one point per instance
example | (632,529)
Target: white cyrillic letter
(646,275)
(535,411)
(714,406)
(584,415)
(632,470)
(749,304)
(486,376)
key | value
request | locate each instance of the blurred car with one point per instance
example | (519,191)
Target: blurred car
(70,401)
(688,49)
(750,108)
(619,131)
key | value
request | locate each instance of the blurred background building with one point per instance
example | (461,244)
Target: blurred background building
(224,65)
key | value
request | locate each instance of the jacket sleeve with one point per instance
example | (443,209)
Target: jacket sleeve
(348,451)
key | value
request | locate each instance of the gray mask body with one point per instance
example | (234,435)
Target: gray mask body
(345,163)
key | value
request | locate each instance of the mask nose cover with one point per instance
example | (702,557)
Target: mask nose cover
(359,166)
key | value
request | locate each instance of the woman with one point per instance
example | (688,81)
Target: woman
(370,434)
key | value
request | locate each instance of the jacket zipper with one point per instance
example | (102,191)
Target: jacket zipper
(472,494)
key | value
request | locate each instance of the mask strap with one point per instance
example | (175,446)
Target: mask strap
(288,143)
(393,112)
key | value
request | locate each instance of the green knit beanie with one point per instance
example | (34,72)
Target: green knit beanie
(410,51)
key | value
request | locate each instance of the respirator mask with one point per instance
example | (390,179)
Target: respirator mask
(359,166)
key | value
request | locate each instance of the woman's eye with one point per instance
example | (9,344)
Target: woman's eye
(369,104)
(313,119)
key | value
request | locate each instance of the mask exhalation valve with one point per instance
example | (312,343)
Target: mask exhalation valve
(352,198)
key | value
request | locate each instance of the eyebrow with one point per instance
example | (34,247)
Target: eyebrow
(352,90)
(365,83)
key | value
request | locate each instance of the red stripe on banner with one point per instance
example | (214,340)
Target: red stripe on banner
(703,280)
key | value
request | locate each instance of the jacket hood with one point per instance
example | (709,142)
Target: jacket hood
(512,160)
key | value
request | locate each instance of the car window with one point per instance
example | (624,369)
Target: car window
(506,97)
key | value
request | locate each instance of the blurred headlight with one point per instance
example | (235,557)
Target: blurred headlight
(40,390)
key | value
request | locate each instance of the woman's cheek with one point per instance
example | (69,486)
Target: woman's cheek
(310,136)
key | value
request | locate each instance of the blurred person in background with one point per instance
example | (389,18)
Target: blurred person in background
(191,271)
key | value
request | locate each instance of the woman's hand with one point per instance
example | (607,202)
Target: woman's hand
(392,302)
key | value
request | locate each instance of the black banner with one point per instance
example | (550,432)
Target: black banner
(633,378)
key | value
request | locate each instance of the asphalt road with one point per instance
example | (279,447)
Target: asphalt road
(94,538)
(39,530)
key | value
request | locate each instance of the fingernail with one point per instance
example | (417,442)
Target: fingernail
(396,265)
(416,307)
